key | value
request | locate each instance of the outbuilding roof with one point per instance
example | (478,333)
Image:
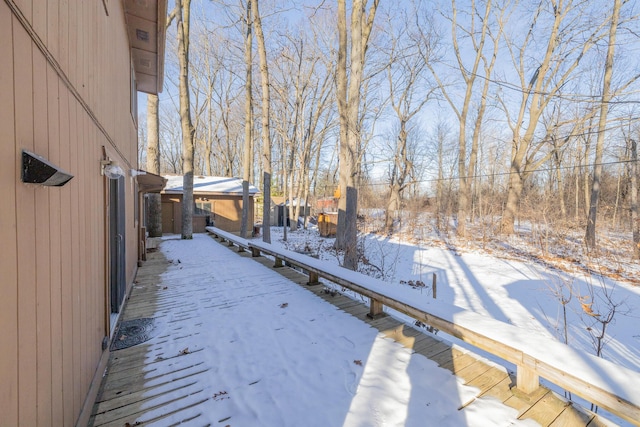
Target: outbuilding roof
(208,185)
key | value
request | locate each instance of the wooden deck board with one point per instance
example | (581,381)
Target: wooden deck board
(143,383)
(488,379)
(575,417)
(523,402)
(472,371)
(547,409)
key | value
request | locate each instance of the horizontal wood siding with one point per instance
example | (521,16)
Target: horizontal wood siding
(64,93)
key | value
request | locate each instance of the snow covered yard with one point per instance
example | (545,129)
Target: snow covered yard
(243,346)
(503,284)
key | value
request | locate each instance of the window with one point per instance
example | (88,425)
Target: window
(202,208)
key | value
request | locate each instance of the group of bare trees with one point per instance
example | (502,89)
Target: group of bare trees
(486,107)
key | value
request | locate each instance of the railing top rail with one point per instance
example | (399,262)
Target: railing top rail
(240,241)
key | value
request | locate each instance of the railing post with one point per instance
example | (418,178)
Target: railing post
(527,379)
(434,287)
(313,278)
(375,309)
(255,252)
(278,263)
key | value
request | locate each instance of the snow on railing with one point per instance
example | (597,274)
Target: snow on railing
(599,381)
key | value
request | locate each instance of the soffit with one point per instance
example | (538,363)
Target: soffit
(146,23)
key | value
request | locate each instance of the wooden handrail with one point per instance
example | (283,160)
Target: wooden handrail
(599,381)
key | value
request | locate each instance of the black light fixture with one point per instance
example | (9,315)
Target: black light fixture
(38,170)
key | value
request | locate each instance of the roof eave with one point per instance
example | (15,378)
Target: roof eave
(146,27)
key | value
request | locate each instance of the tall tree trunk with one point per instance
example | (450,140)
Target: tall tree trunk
(248,124)
(635,217)
(293,221)
(616,206)
(439,188)
(209,142)
(590,234)
(560,183)
(349,111)
(576,214)
(341,93)
(516,184)
(266,130)
(154,218)
(183,19)
(393,206)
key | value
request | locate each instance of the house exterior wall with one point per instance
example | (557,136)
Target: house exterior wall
(227,212)
(64,94)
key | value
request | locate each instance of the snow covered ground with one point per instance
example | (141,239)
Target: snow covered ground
(507,284)
(514,290)
(278,356)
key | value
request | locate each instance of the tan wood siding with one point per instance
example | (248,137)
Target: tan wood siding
(64,93)
(25,198)
(8,260)
(55,239)
(42,230)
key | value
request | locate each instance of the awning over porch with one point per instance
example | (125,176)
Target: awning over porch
(149,182)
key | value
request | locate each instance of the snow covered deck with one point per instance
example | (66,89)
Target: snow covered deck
(236,342)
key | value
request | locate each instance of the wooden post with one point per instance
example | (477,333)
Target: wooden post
(434,286)
(375,309)
(278,263)
(527,379)
(313,278)
(143,244)
(255,252)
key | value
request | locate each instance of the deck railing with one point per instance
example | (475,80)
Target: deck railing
(599,381)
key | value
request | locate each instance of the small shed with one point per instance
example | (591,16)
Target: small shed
(218,201)
(278,206)
(328,224)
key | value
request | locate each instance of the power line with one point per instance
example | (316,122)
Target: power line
(496,174)
(576,97)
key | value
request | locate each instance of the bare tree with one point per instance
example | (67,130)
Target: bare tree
(170,142)
(248,124)
(405,76)
(348,94)
(154,219)
(266,130)
(590,233)
(477,30)
(183,21)
(567,42)
(635,218)
(205,70)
